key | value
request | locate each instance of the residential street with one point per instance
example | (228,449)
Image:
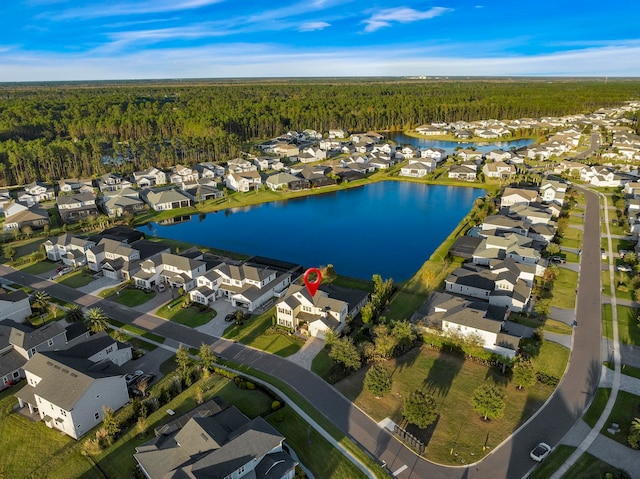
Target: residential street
(509,460)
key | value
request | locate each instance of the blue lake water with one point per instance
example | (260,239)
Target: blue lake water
(450,146)
(389,228)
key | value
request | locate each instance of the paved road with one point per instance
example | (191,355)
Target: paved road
(510,460)
(595,144)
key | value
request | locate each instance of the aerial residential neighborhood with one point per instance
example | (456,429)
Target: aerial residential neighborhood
(104,327)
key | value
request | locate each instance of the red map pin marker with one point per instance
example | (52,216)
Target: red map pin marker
(312,286)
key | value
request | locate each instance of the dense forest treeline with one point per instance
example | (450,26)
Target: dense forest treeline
(56,131)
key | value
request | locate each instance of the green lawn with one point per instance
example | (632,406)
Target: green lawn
(139,332)
(38,268)
(590,467)
(32,450)
(552,359)
(572,238)
(558,327)
(253,333)
(322,363)
(628,330)
(597,406)
(551,464)
(451,380)
(616,244)
(626,408)
(191,316)
(28,246)
(563,294)
(314,451)
(76,279)
(619,229)
(133,296)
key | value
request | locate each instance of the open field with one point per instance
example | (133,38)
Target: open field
(451,380)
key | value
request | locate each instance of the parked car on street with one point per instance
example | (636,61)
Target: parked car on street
(539,452)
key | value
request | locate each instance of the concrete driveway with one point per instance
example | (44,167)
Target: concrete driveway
(98,285)
(217,325)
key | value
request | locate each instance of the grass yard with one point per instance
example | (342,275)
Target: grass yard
(551,464)
(626,408)
(597,406)
(628,330)
(451,380)
(314,451)
(253,333)
(191,316)
(38,268)
(76,279)
(558,327)
(616,244)
(139,332)
(552,359)
(563,294)
(572,238)
(28,246)
(133,297)
(33,451)
(322,363)
(619,228)
(590,467)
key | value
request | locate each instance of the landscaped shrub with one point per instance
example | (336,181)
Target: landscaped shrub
(547,379)
(249,385)
(152,404)
(275,405)
(164,397)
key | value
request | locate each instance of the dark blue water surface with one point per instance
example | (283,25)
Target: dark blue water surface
(450,146)
(389,228)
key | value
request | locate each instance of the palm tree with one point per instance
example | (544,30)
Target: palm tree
(41,299)
(96,320)
(74,314)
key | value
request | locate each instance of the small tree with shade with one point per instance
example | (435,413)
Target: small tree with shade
(524,374)
(420,409)
(378,380)
(488,401)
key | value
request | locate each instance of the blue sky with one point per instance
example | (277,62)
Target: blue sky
(136,39)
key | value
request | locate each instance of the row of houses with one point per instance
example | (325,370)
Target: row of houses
(206,278)
(503,257)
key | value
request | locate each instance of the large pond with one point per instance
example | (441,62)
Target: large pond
(389,228)
(450,146)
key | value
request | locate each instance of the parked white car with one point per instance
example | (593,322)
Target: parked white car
(541,451)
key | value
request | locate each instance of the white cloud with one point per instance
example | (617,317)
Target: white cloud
(313,26)
(384,18)
(250,60)
(132,8)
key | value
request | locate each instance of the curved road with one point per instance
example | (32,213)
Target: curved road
(510,460)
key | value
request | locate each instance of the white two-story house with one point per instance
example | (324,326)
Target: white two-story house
(315,315)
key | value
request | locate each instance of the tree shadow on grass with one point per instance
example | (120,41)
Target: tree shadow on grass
(443,371)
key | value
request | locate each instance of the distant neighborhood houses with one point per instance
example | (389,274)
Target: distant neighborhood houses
(336,155)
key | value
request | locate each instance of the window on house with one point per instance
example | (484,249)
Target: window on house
(16,374)
(97,416)
(63,412)
(50,342)
(109,349)
(241,470)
